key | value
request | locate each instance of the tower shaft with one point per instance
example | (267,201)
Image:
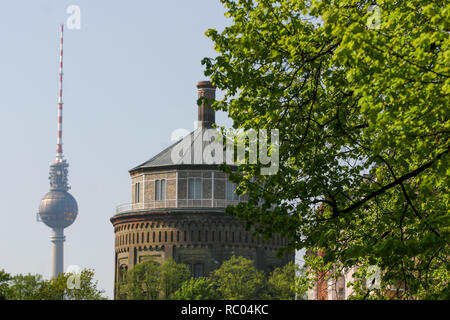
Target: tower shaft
(57,239)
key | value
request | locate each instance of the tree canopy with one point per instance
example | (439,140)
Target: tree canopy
(237,278)
(67,286)
(196,289)
(150,280)
(360,95)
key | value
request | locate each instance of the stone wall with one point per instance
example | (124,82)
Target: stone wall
(213,188)
(191,238)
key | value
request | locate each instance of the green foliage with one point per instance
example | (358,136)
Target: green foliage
(281,284)
(151,281)
(238,279)
(141,282)
(363,112)
(26,287)
(34,287)
(196,289)
(87,289)
(4,278)
(172,277)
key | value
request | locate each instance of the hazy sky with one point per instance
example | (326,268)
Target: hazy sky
(129,81)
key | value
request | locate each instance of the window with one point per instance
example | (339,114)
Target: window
(341,294)
(137,191)
(231,191)
(194,188)
(198,270)
(160,189)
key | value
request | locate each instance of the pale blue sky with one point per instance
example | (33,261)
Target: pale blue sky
(129,81)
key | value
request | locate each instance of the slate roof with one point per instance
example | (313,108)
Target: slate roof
(164,158)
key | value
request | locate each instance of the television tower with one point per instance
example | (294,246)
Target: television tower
(58,209)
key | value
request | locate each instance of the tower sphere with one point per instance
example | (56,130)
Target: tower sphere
(58,209)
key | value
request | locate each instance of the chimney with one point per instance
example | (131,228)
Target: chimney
(206,114)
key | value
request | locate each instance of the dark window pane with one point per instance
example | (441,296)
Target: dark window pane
(157,190)
(163,189)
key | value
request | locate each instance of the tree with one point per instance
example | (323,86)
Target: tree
(26,287)
(238,279)
(34,287)
(363,114)
(83,289)
(172,277)
(280,284)
(196,289)
(150,280)
(4,278)
(142,282)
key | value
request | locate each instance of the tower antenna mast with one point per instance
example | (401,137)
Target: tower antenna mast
(59,144)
